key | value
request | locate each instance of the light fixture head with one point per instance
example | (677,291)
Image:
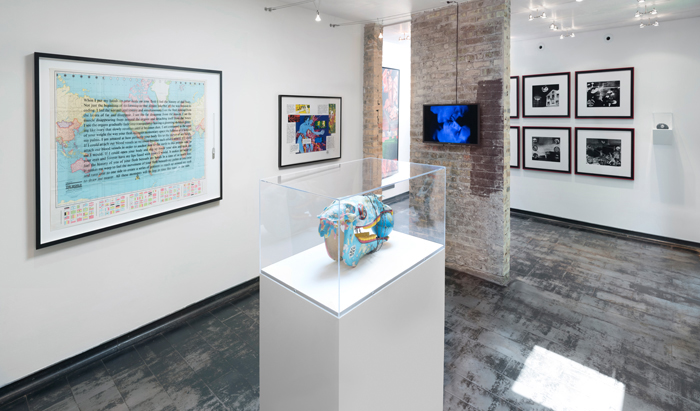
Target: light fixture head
(656,23)
(640,1)
(573,34)
(637,14)
(561,37)
(579,1)
(552,26)
(641,26)
(381,34)
(544,15)
(530,18)
(318,16)
(653,11)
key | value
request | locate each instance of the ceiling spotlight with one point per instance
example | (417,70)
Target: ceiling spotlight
(381,34)
(553,26)
(579,0)
(640,1)
(318,16)
(655,24)
(539,16)
(567,35)
(639,14)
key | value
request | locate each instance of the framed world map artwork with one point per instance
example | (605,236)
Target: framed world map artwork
(120,142)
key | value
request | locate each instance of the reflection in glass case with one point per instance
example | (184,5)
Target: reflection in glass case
(338,234)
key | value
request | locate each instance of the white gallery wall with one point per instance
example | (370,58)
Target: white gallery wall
(61,301)
(664,198)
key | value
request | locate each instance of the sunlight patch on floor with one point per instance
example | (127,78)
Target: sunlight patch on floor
(564,385)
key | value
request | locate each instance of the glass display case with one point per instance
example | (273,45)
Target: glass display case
(336,235)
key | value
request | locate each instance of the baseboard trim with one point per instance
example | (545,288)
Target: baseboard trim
(618,232)
(43,377)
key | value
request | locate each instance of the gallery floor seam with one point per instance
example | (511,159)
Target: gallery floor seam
(605,309)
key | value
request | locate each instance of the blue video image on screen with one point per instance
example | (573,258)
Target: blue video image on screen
(456,124)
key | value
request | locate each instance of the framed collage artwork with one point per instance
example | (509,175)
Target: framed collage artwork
(309,129)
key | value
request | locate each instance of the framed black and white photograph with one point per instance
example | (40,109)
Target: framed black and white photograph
(546,95)
(309,129)
(547,149)
(605,93)
(605,152)
(121,142)
(515,97)
(515,147)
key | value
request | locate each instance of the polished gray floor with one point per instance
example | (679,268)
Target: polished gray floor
(590,322)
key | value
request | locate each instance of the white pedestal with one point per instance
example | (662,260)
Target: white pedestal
(663,137)
(384,354)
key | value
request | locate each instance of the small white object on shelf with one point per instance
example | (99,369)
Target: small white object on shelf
(662,128)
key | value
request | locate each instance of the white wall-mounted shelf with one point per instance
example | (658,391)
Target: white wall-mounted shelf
(663,136)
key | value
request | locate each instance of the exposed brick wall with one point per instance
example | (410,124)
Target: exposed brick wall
(372,104)
(478,177)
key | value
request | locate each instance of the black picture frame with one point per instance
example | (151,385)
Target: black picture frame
(563,108)
(282,114)
(515,154)
(624,109)
(40,151)
(517,97)
(625,145)
(564,136)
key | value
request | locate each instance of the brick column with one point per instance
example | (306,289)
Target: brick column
(478,177)
(372,103)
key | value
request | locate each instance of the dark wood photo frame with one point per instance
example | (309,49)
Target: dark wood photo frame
(515,153)
(617,156)
(566,137)
(611,102)
(562,97)
(517,97)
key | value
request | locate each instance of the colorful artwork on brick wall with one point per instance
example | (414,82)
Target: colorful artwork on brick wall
(390,122)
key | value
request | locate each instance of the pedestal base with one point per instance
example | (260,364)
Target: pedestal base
(385,354)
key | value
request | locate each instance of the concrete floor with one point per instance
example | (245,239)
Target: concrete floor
(590,322)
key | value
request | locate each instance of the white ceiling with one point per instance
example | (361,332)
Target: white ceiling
(587,15)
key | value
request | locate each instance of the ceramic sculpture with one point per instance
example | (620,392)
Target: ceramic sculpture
(347,218)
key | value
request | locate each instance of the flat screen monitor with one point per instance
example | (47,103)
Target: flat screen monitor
(451,123)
